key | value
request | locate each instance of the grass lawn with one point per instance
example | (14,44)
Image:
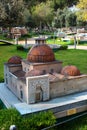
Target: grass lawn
(6,51)
(3,37)
(69,57)
(60,42)
(56,41)
(73,57)
(77,124)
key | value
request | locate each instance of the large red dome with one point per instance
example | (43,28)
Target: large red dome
(41,53)
(70,70)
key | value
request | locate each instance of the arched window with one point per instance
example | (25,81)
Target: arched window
(44,71)
(21,92)
(6,79)
(51,71)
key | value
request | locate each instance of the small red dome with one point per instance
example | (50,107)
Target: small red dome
(70,71)
(34,72)
(41,53)
(15,60)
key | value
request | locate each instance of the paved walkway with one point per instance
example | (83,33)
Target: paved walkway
(31,41)
(77,47)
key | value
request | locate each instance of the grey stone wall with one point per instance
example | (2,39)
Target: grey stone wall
(48,67)
(68,86)
(22,87)
(33,83)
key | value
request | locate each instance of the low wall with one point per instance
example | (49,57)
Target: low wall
(68,86)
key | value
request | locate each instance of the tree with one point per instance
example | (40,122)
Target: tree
(12,12)
(64,18)
(43,14)
(2,13)
(82,12)
(64,3)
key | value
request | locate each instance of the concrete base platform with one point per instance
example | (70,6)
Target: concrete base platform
(61,106)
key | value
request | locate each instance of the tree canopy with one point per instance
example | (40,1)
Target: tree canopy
(11,12)
(82,12)
(43,13)
(34,13)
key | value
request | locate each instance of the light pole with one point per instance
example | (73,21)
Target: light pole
(74,41)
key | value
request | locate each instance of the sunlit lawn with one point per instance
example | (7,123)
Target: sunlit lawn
(74,57)
(57,41)
(5,53)
(61,42)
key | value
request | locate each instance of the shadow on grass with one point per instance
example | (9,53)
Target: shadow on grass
(5,44)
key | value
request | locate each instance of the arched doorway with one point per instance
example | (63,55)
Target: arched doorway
(39,94)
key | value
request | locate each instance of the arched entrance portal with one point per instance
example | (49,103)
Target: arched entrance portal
(39,94)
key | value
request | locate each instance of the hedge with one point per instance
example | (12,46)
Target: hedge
(31,122)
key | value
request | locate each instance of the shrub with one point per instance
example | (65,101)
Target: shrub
(9,117)
(23,37)
(71,42)
(29,48)
(52,37)
(39,121)
(30,122)
(2,106)
(20,47)
(63,47)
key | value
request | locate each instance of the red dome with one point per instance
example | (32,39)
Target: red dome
(70,70)
(41,53)
(15,60)
(34,72)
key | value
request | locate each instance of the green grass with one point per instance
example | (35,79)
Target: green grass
(6,51)
(73,57)
(76,124)
(82,44)
(59,41)
(4,37)
(2,43)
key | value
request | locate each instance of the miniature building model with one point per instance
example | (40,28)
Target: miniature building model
(40,76)
(18,31)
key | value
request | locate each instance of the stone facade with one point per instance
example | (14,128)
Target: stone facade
(68,85)
(38,89)
(34,89)
(55,66)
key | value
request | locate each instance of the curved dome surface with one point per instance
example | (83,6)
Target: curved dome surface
(15,60)
(41,53)
(70,71)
